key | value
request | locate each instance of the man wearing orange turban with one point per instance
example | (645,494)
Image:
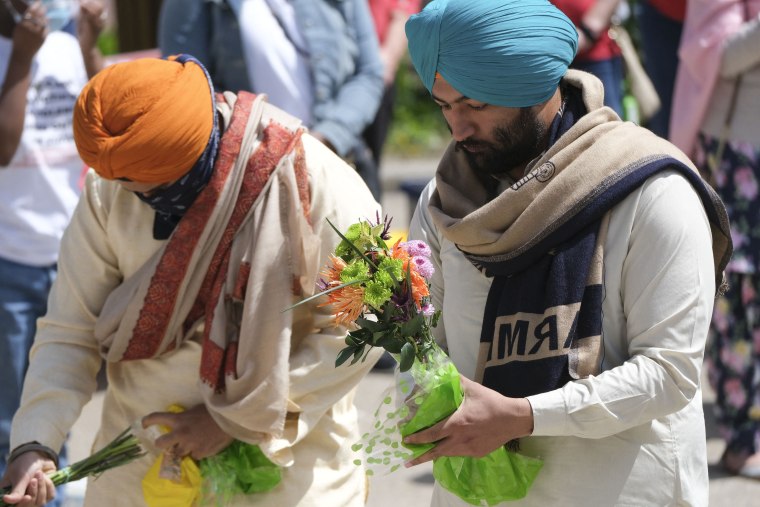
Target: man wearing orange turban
(203,218)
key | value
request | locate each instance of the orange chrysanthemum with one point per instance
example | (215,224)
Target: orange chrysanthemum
(419,286)
(399,253)
(331,271)
(348,304)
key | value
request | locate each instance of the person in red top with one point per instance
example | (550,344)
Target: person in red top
(597,54)
(660,24)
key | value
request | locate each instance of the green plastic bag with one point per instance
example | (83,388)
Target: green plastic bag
(427,394)
(240,469)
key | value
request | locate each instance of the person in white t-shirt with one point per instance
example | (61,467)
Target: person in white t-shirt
(42,70)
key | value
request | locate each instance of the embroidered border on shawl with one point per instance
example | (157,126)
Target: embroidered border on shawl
(219,360)
(163,291)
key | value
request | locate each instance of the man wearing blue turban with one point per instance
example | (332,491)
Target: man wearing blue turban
(577,260)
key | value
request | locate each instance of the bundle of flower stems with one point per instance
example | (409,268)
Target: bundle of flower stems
(124,449)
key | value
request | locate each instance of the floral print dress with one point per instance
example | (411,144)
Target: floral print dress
(733,358)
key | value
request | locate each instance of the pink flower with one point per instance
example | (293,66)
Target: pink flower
(748,293)
(416,247)
(423,266)
(720,179)
(735,360)
(428,310)
(756,341)
(745,148)
(746,184)
(735,394)
(737,238)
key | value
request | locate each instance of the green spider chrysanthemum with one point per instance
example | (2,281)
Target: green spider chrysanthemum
(361,235)
(390,272)
(376,294)
(356,270)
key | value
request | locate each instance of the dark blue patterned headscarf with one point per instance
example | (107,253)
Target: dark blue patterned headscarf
(171,202)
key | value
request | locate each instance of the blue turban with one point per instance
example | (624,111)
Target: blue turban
(509,53)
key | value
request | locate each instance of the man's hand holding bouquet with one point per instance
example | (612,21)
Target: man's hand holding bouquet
(381,292)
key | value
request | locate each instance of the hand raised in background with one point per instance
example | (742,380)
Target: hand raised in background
(92,20)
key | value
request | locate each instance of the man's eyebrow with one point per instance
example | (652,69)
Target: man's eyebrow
(459,99)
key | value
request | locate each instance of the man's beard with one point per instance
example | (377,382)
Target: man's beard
(517,143)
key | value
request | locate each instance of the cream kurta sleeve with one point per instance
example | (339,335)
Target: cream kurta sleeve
(64,359)
(659,293)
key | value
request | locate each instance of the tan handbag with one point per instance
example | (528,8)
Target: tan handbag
(641,86)
(714,159)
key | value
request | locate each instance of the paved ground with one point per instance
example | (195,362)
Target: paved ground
(412,487)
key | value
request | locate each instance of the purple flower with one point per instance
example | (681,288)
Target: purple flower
(428,309)
(416,247)
(424,266)
(746,184)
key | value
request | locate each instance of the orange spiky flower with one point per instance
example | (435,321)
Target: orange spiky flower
(331,271)
(348,304)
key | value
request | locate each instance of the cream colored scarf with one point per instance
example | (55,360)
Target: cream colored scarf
(598,151)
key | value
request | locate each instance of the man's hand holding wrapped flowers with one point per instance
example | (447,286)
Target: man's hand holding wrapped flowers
(484,422)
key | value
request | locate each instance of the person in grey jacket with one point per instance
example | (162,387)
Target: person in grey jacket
(318,60)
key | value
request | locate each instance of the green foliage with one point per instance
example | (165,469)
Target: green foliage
(394,331)
(418,127)
(108,42)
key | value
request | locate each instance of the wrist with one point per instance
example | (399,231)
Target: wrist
(591,34)
(21,58)
(34,446)
(527,416)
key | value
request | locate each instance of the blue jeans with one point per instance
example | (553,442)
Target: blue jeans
(610,72)
(23,299)
(660,37)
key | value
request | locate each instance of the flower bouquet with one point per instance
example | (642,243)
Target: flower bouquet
(381,293)
(123,449)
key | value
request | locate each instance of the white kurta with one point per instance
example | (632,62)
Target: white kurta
(634,434)
(110,238)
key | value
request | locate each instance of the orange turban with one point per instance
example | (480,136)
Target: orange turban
(148,120)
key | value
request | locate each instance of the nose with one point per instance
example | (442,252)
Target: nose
(460,125)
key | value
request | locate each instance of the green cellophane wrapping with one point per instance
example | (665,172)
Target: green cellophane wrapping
(427,394)
(240,469)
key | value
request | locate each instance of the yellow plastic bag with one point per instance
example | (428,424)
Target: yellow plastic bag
(164,492)
(171,481)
